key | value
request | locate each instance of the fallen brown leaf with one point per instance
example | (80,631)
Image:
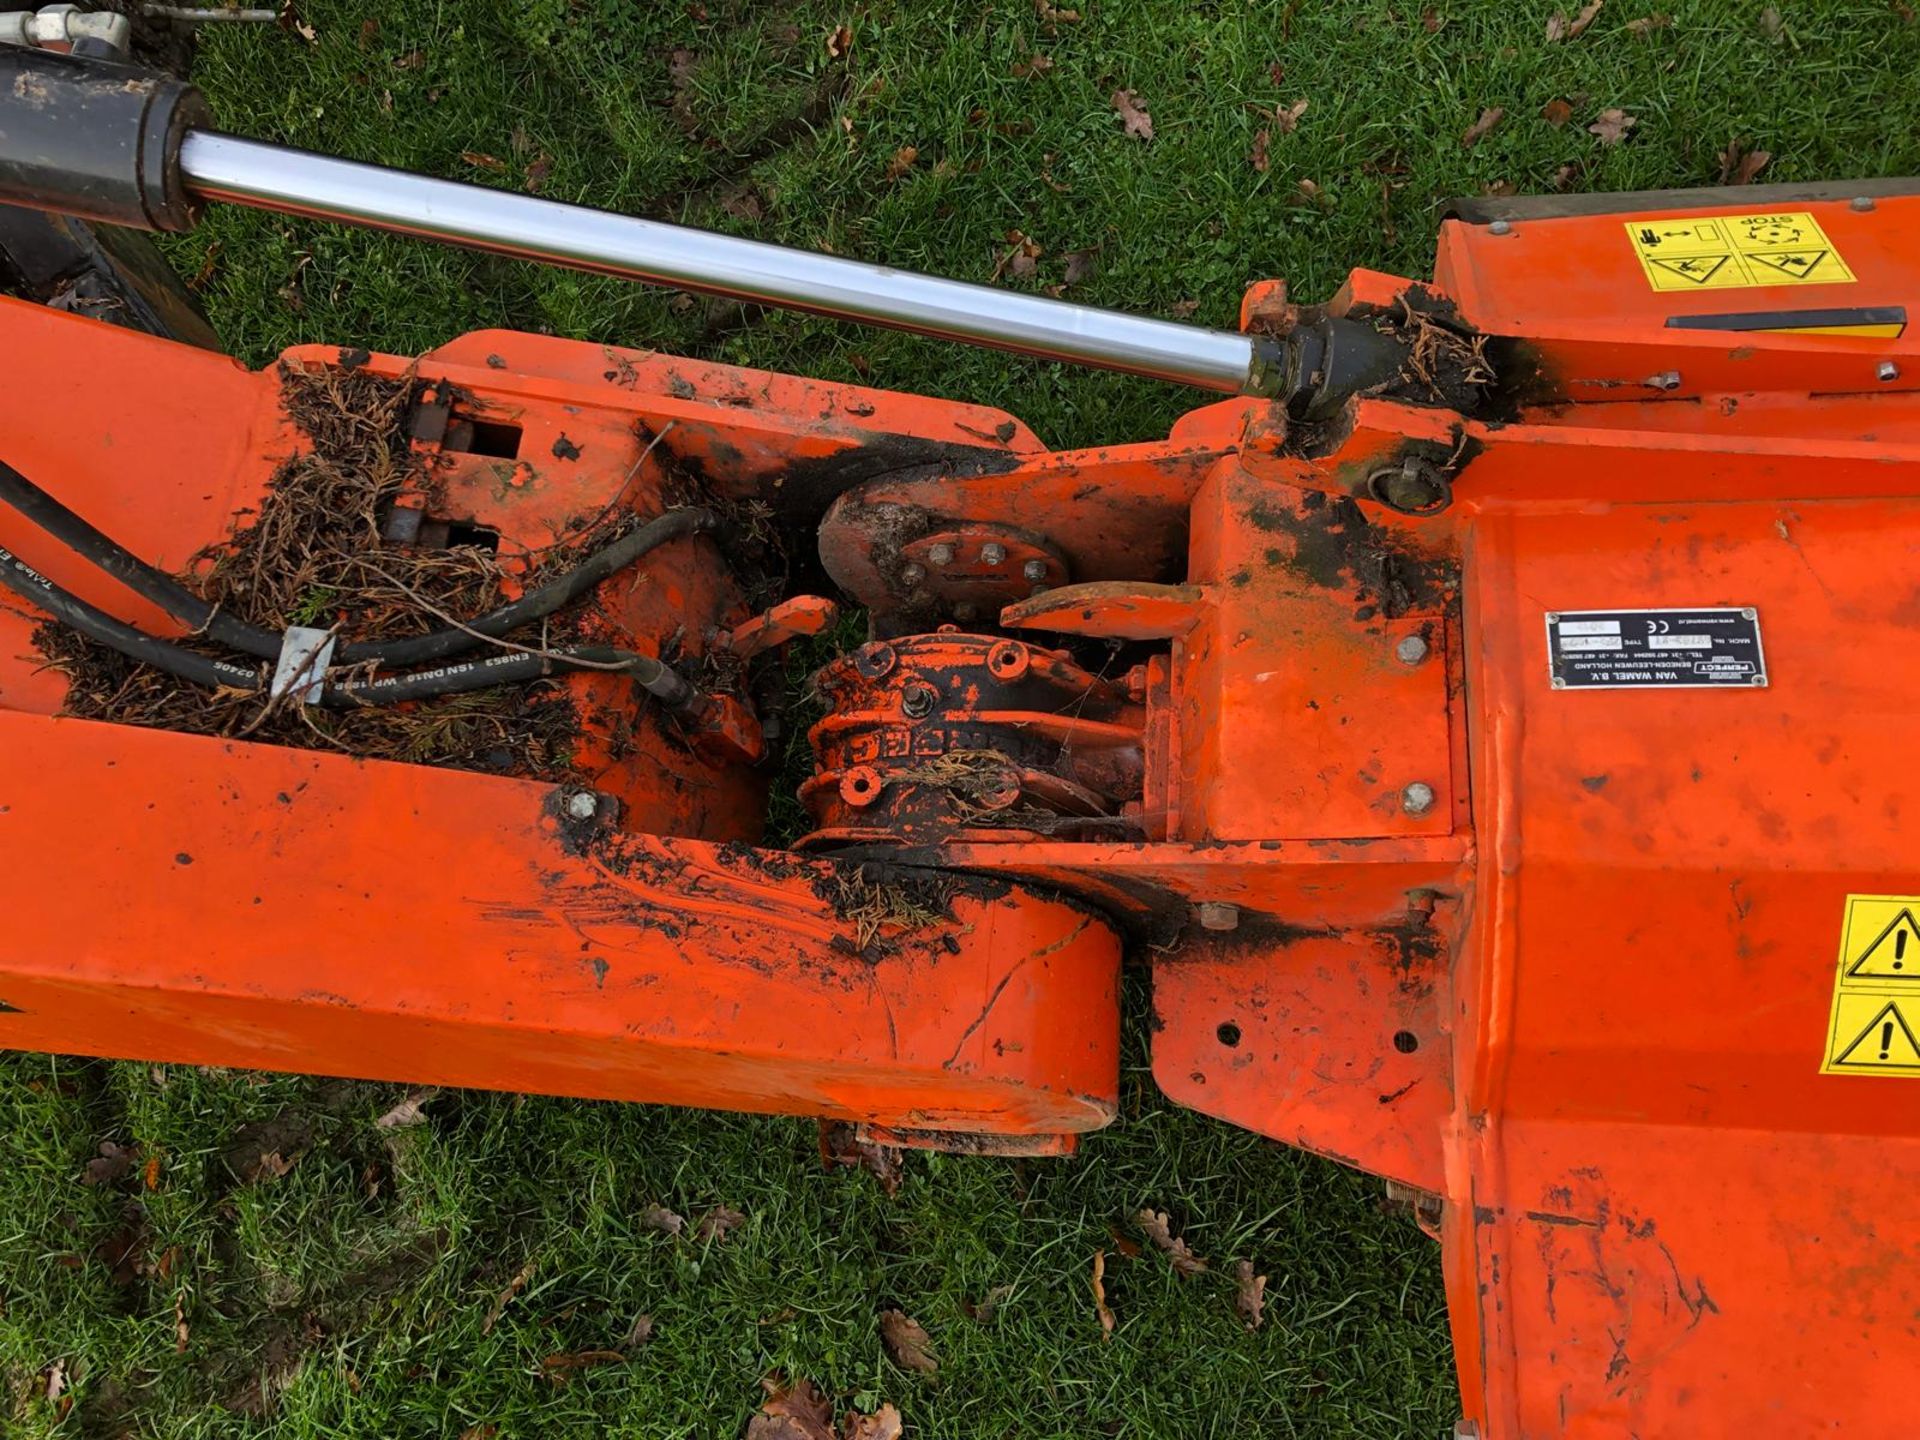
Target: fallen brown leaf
(1612,126)
(1100,1306)
(412,60)
(1276,72)
(907,1342)
(1286,118)
(1133,115)
(638,1333)
(1432,21)
(658,1217)
(718,1223)
(113,1162)
(180,1330)
(840,1143)
(150,1173)
(1561,28)
(480,1432)
(1482,127)
(1738,165)
(902,161)
(56,1380)
(1500,188)
(883,1424)
(480,160)
(791,1412)
(1771,22)
(410,1111)
(1249,1294)
(1257,157)
(1564,177)
(1031,66)
(534,178)
(839,41)
(556,1366)
(1079,266)
(124,1252)
(1055,15)
(1182,309)
(982,1311)
(1647,24)
(1160,1232)
(505,1297)
(1123,1242)
(1310,191)
(1556,113)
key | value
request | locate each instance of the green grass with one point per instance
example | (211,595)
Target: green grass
(360,1281)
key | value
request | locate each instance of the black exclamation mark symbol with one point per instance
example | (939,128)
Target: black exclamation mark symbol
(1886,1039)
(1899,949)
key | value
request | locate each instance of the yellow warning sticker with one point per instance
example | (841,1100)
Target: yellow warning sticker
(1874,1027)
(1734,252)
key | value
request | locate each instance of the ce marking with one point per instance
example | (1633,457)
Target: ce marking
(1659,627)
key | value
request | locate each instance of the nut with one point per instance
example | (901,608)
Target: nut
(1034,570)
(1417,798)
(993,553)
(941,554)
(1411,650)
(1887,370)
(1217,915)
(1501,227)
(912,574)
(583,805)
(918,700)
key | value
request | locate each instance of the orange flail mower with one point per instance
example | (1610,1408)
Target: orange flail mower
(1488,730)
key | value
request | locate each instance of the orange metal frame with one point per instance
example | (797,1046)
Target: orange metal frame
(1573,999)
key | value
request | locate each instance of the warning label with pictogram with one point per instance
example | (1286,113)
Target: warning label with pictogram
(1874,1025)
(1734,252)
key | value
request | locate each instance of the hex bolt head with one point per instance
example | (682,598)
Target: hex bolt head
(583,805)
(940,554)
(1861,203)
(1665,380)
(1411,650)
(912,574)
(1501,227)
(1417,798)
(1887,370)
(918,700)
(993,553)
(1217,915)
(1034,570)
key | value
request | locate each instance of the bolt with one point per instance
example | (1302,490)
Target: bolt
(1749,613)
(1417,798)
(582,804)
(917,700)
(1501,227)
(1861,203)
(1216,915)
(940,554)
(1887,370)
(1665,380)
(1558,683)
(1413,487)
(912,574)
(1411,650)
(1034,570)
(993,553)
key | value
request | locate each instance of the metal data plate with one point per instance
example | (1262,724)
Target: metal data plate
(1654,649)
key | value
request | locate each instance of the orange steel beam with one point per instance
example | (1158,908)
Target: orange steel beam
(1558,961)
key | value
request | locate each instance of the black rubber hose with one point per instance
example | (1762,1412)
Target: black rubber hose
(650,674)
(155,585)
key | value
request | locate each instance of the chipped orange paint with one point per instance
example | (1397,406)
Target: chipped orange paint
(1570,992)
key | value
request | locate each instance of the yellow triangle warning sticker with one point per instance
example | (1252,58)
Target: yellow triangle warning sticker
(1795,265)
(1885,1044)
(1697,268)
(1891,954)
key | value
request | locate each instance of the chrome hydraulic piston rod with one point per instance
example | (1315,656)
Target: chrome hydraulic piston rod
(107,143)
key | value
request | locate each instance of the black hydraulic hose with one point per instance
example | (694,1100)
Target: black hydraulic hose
(155,585)
(656,678)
